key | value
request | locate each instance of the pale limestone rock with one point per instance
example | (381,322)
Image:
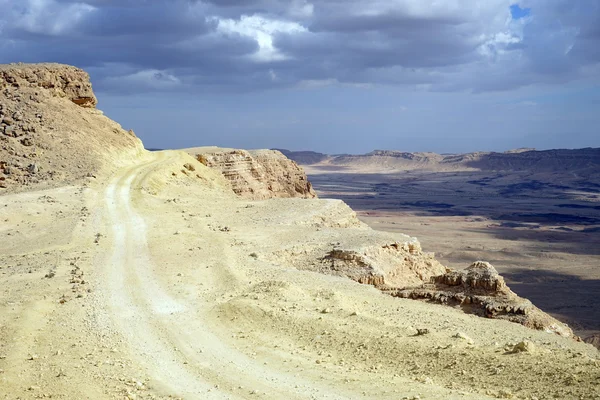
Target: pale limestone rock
(524,346)
(397,264)
(258,174)
(60,80)
(50,131)
(480,290)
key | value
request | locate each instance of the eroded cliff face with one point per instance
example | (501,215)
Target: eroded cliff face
(479,289)
(50,130)
(60,80)
(258,174)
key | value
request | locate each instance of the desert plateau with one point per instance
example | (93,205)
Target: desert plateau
(213,273)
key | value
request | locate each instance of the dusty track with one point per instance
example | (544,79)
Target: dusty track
(169,334)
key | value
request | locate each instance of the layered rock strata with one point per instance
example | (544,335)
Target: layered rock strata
(258,174)
(480,290)
(401,269)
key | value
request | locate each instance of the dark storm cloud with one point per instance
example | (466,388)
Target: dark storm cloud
(249,45)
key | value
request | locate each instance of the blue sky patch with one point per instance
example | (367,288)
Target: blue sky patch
(518,12)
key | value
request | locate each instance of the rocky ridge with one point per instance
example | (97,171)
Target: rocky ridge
(59,80)
(50,131)
(396,265)
(257,174)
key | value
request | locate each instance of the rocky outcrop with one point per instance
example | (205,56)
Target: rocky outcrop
(60,80)
(401,269)
(259,174)
(396,264)
(480,276)
(50,132)
(479,289)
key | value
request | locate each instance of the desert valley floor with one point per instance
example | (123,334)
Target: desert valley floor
(544,238)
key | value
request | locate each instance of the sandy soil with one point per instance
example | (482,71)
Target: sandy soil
(153,283)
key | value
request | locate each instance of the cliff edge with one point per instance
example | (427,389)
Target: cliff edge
(257,174)
(50,131)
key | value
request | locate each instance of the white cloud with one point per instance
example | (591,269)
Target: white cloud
(49,17)
(262,30)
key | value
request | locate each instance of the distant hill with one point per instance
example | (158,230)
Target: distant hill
(304,157)
(582,162)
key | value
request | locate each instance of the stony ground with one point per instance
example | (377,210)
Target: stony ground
(153,282)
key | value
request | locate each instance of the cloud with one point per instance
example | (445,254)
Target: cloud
(262,30)
(248,45)
(47,17)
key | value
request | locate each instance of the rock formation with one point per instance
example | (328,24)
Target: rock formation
(50,131)
(479,289)
(59,80)
(258,174)
(396,264)
(402,269)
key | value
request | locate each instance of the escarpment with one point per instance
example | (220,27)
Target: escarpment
(257,174)
(50,131)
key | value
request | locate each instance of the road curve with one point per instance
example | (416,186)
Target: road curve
(167,336)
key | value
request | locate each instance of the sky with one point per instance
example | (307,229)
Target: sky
(335,76)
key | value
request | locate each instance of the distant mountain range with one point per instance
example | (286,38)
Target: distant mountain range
(583,162)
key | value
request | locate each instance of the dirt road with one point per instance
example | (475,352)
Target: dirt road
(169,334)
